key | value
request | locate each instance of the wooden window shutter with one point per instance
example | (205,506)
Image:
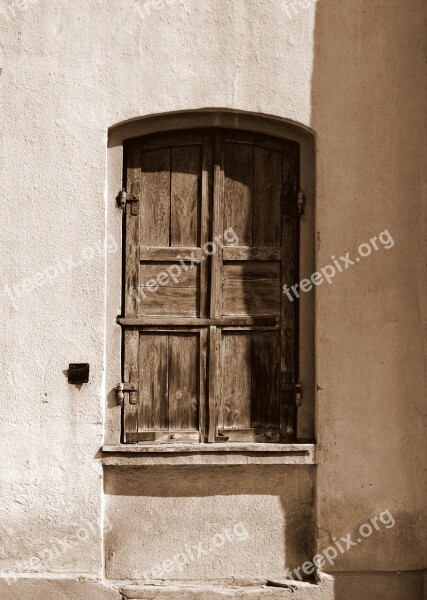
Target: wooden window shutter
(257,373)
(211,352)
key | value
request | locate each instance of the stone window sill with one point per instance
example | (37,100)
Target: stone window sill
(209,454)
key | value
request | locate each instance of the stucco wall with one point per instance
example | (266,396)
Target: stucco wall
(157,513)
(367,95)
(350,71)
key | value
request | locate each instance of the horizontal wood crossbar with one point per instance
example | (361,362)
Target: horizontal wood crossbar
(251,253)
(254,435)
(272,321)
(171,254)
(163,437)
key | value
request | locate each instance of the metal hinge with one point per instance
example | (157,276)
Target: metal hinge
(123,198)
(292,391)
(301,203)
(126,387)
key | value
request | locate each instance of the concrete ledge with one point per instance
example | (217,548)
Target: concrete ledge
(32,588)
(224,447)
(209,454)
(290,589)
(62,588)
(340,586)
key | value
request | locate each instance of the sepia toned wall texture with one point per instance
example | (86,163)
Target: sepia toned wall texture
(352,74)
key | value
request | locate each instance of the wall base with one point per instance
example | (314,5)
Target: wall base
(343,586)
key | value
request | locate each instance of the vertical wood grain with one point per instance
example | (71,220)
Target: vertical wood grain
(213,380)
(217,230)
(238,190)
(153,378)
(207,187)
(132,235)
(267,195)
(289,309)
(203,391)
(155,187)
(185,195)
(236,380)
(183,381)
(239,379)
(130,372)
(265,379)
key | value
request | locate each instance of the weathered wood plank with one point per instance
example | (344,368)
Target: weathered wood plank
(265,379)
(186,278)
(184,364)
(236,380)
(203,391)
(180,300)
(238,190)
(153,376)
(251,253)
(267,197)
(173,255)
(244,321)
(251,288)
(165,437)
(213,381)
(130,373)
(206,211)
(179,296)
(289,366)
(185,195)
(155,190)
(132,235)
(254,435)
(252,271)
(217,229)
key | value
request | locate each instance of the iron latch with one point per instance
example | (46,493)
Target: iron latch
(298,394)
(124,197)
(292,391)
(126,387)
(301,203)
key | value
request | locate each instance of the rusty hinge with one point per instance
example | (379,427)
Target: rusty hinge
(301,203)
(126,387)
(291,391)
(124,197)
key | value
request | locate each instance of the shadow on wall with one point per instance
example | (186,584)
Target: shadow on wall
(367,111)
(157,512)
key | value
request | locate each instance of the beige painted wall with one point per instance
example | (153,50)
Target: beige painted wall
(367,107)
(350,71)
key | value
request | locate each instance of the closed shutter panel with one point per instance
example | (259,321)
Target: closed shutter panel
(259,198)
(211,352)
(165,350)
